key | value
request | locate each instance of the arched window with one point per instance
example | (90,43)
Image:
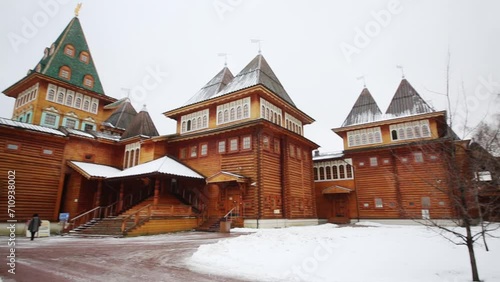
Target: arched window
(60,97)
(125,162)
(409,133)
(349,171)
(239,113)
(69,50)
(183,128)
(136,159)
(416,128)
(394,134)
(351,140)
(88,81)
(342,171)
(370,138)
(267,114)
(275,118)
(86,105)
(246,112)
(84,57)
(188,125)
(65,72)
(401,133)
(316,173)
(193,124)
(263,112)
(69,100)
(205,121)
(198,122)
(328,172)
(321,173)
(219,117)
(78,102)
(226,115)
(335,172)
(94,107)
(232,114)
(357,140)
(425,131)
(363,138)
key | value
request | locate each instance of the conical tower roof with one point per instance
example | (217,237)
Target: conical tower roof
(257,72)
(55,57)
(142,124)
(407,102)
(123,114)
(364,110)
(214,86)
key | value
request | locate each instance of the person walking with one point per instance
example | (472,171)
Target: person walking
(34,224)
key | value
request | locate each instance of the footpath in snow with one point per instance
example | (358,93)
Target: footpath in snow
(367,252)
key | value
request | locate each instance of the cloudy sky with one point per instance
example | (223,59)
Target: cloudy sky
(164,51)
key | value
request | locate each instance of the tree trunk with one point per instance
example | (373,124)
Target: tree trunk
(472,256)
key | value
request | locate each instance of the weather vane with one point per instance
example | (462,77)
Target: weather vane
(362,78)
(402,70)
(225,57)
(257,41)
(77,9)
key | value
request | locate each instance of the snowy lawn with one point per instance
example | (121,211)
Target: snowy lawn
(372,252)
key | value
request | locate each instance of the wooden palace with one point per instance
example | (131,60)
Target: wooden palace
(239,154)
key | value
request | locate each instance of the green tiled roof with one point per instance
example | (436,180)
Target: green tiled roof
(51,63)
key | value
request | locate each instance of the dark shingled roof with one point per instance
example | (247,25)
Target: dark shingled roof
(123,114)
(214,86)
(142,124)
(257,72)
(407,102)
(50,64)
(364,110)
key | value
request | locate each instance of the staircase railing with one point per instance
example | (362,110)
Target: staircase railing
(138,217)
(95,213)
(229,215)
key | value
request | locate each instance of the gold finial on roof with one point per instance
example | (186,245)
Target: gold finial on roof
(77,9)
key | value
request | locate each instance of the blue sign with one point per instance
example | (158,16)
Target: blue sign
(64,216)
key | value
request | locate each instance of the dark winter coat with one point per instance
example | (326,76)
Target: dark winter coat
(34,224)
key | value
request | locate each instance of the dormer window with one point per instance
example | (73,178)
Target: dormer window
(88,81)
(69,50)
(84,57)
(65,72)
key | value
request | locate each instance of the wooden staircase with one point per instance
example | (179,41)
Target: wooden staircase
(212,224)
(144,219)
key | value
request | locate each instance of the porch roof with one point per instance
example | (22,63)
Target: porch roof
(93,171)
(164,165)
(336,189)
(225,176)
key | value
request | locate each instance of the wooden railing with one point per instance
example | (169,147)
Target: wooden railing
(145,213)
(95,213)
(229,215)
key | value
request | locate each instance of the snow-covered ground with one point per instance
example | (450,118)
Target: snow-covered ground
(371,252)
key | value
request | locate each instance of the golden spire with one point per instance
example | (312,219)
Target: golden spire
(77,9)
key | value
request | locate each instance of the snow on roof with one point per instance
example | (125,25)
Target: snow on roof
(91,170)
(328,155)
(108,136)
(29,126)
(79,132)
(163,165)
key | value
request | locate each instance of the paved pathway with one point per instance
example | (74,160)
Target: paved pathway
(148,258)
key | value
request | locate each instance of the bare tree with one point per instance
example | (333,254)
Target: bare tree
(487,134)
(466,169)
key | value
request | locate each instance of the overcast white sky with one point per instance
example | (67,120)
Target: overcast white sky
(316,48)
